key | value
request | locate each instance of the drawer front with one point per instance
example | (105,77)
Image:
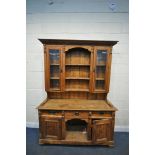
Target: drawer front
(102,114)
(76,114)
(51,112)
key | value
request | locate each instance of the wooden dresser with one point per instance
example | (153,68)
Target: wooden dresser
(77,78)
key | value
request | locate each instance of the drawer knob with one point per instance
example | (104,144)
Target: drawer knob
(76,113)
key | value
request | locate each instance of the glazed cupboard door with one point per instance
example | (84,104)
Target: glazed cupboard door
(101,131)
(53,68)
(101,69)
(51,128)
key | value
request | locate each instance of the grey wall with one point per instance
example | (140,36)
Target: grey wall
(82,19)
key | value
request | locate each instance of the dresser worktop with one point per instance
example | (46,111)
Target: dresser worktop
(77,104)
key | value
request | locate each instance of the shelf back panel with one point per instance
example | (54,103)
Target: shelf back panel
(77,95)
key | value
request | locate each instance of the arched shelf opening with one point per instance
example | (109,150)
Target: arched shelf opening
(77,69)
(78,56)
(76,129)
(76,125)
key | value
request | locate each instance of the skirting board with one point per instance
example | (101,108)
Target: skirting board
(117,128)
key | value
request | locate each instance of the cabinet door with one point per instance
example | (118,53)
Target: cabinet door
(51,128)
(102,62)
(53,70)
(101,131)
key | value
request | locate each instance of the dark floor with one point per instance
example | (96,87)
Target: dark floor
(33,148)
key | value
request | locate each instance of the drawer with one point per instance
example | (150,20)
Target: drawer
(101,114)
(76,114)
(51,112)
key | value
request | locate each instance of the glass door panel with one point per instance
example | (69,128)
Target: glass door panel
(54,55)
(100,70)
(101,56)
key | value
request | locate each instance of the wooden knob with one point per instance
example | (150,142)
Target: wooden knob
(76,113)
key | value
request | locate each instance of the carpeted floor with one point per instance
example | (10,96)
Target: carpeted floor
(33,148)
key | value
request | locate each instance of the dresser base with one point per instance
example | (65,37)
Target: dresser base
(67,142)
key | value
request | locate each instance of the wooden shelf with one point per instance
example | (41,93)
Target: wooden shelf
(100,65)
(78,89)
(77,64)
(99,90)
(76,136)
(54,90)
(54,78)
(55,64)
(100,79)
(77,78)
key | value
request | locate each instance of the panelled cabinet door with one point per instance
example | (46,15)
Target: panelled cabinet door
(51,128)
(101,131)
(101,68)
(54,70)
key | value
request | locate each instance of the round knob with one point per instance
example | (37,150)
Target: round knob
(76,113)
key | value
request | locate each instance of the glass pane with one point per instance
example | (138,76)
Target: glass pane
(99,85)
(54,71)
(100,71)
(101,57)
(54,68)
(54,56)
(54,84)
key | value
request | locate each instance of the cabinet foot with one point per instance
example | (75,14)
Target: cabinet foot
(40,142)
(111,144)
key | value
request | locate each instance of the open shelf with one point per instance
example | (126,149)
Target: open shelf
(77,64)
(78,56)
(77,78)
(77,71)
(76,135)
(77,85)
(78,89)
